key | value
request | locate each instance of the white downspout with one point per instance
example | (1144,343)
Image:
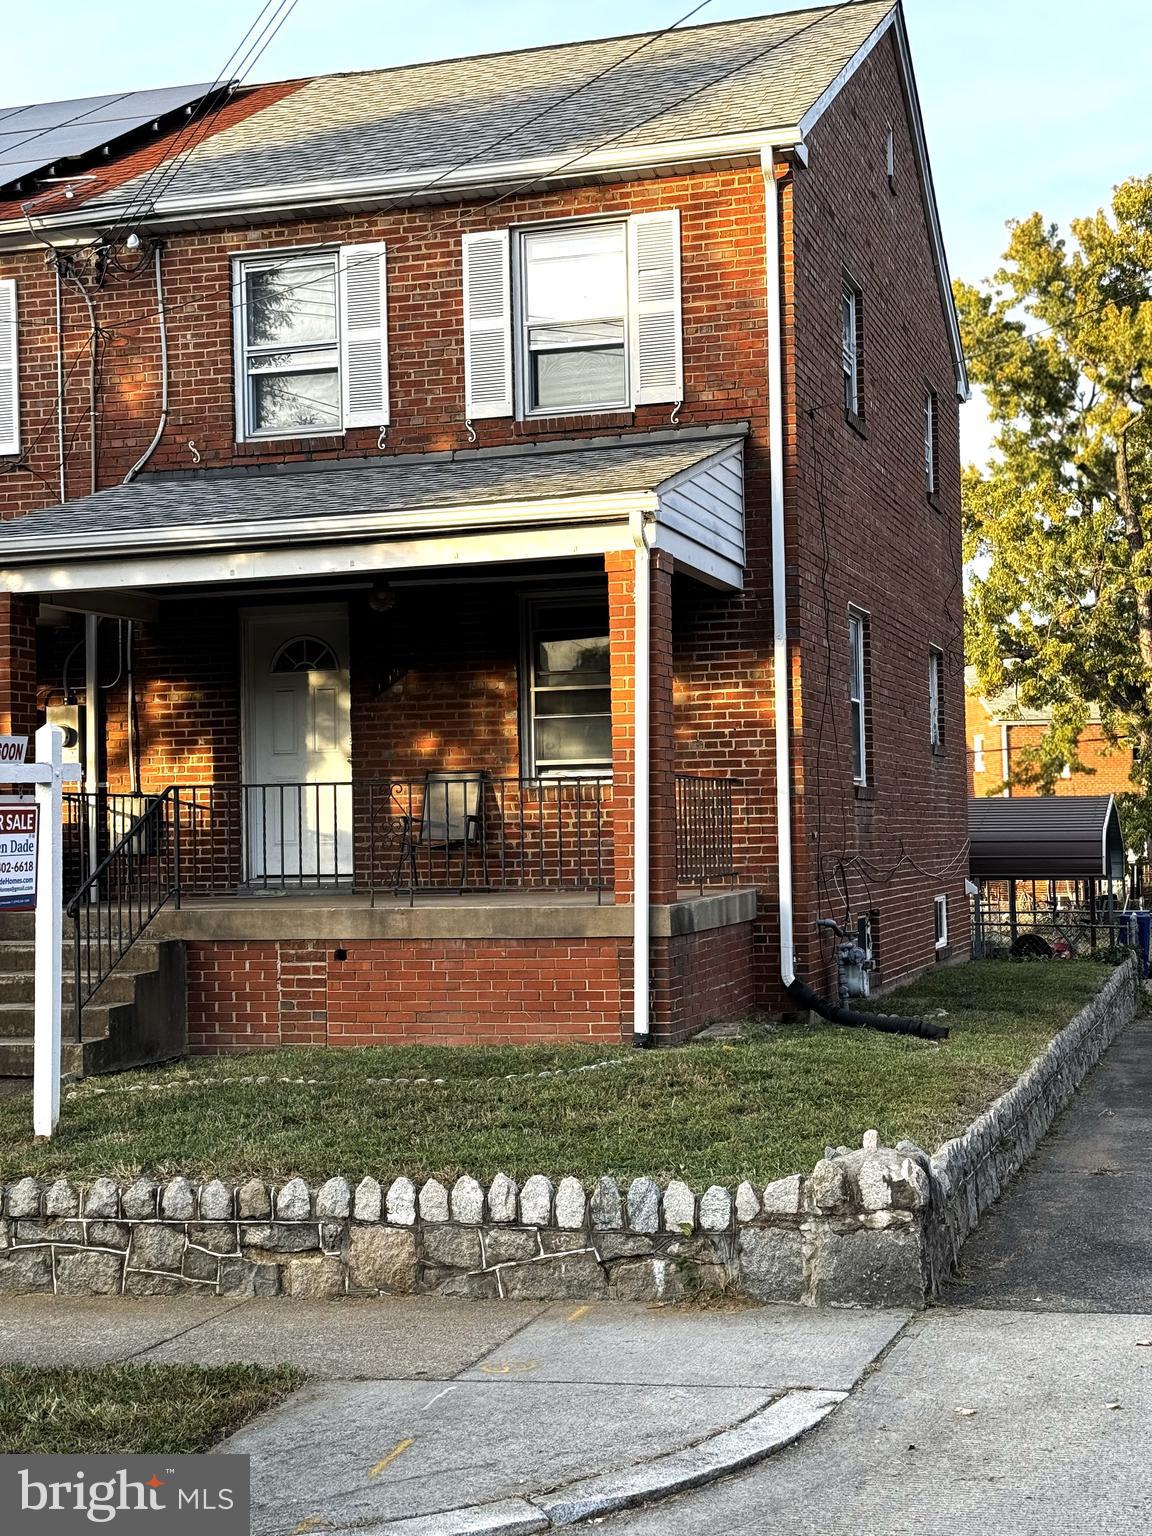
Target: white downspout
(92,733)
(780,669)
(641,764)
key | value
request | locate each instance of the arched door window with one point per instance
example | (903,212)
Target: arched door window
(304,653)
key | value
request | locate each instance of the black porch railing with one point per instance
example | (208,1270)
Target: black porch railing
(445,832)
(138,875)
(705,848)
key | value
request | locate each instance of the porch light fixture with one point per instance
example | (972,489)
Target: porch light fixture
(382,599)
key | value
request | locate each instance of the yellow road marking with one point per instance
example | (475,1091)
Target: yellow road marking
(313,1523)
(509,1367)
(385,1461)
(574,1317)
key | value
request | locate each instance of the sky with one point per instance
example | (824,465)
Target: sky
(1027,105)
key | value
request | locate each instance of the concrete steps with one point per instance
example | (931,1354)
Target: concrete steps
(137,1017)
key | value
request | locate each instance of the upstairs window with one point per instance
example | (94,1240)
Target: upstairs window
(977,754)
(311,342)
(567,686)
(9,369)
(851,330)
(936,699)
(575,318)
(562,317)
(858,693)
(929,427)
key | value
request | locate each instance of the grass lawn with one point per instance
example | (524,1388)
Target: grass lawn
(132,1410)
(756,1108)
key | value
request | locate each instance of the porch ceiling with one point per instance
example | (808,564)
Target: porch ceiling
(550,501)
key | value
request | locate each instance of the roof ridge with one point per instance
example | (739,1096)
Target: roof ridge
(584,42)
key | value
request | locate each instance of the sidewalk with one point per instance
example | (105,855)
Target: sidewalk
(538,1413)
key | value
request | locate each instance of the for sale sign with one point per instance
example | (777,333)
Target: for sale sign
(19,825)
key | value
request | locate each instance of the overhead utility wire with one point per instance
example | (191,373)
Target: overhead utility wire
(544,175)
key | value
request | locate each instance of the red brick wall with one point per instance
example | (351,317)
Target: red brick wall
(862,532)
(1106,768)
(722,251)
(254,996)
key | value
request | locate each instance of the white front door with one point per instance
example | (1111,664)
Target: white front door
(297,745)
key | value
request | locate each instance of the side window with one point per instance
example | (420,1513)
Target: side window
(931,405)
(858,668)
(311,342)
(566,686)
(851,339)
(936,698)
(977,754)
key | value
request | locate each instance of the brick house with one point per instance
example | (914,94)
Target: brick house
(420,486)
(1000,731)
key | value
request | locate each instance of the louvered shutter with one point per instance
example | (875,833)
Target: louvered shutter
(487,325)
(654,247)
(9,373)
(364,335)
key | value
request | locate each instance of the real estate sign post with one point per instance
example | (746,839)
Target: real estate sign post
(32,876)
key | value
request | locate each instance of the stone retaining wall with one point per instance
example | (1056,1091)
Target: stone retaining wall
(878,1226)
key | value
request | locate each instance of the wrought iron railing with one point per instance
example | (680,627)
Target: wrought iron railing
(705,850)
(444,832)
(114,904)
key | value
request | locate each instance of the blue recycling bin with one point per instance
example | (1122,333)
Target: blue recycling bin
(1142,922)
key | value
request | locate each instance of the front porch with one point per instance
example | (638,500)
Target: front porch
(475,744)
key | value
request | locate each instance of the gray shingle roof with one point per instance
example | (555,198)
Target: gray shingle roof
(331,490)
(731,77)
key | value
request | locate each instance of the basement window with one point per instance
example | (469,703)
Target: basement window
(566,686)
(940,918)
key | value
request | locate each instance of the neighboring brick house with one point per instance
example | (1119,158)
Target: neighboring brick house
(539,419)
(1000,732)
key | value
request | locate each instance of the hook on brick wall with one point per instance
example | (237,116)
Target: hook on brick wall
(193,450)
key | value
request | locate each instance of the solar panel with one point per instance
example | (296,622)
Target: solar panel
(39,135)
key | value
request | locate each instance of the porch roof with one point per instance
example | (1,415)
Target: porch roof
(472,506)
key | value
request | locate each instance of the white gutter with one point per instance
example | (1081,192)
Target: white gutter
(781,690)
(641,784)
(431,182)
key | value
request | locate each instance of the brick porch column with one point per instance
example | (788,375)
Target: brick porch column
(17,665)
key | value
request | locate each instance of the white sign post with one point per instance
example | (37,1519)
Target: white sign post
(48,774)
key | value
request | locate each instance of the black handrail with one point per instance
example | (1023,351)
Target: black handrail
(138,876)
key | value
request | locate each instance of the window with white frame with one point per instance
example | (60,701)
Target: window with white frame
(977,754)
(858,693)
(936,698)
(850,331)
(567,686)
(940,914)
(311,342)
(930,411)
(574,316)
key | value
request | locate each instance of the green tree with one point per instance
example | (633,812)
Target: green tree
(1059,526)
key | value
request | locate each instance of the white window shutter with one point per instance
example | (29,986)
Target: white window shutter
(364,335)
(657,361)
(9,371)
(487,325)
